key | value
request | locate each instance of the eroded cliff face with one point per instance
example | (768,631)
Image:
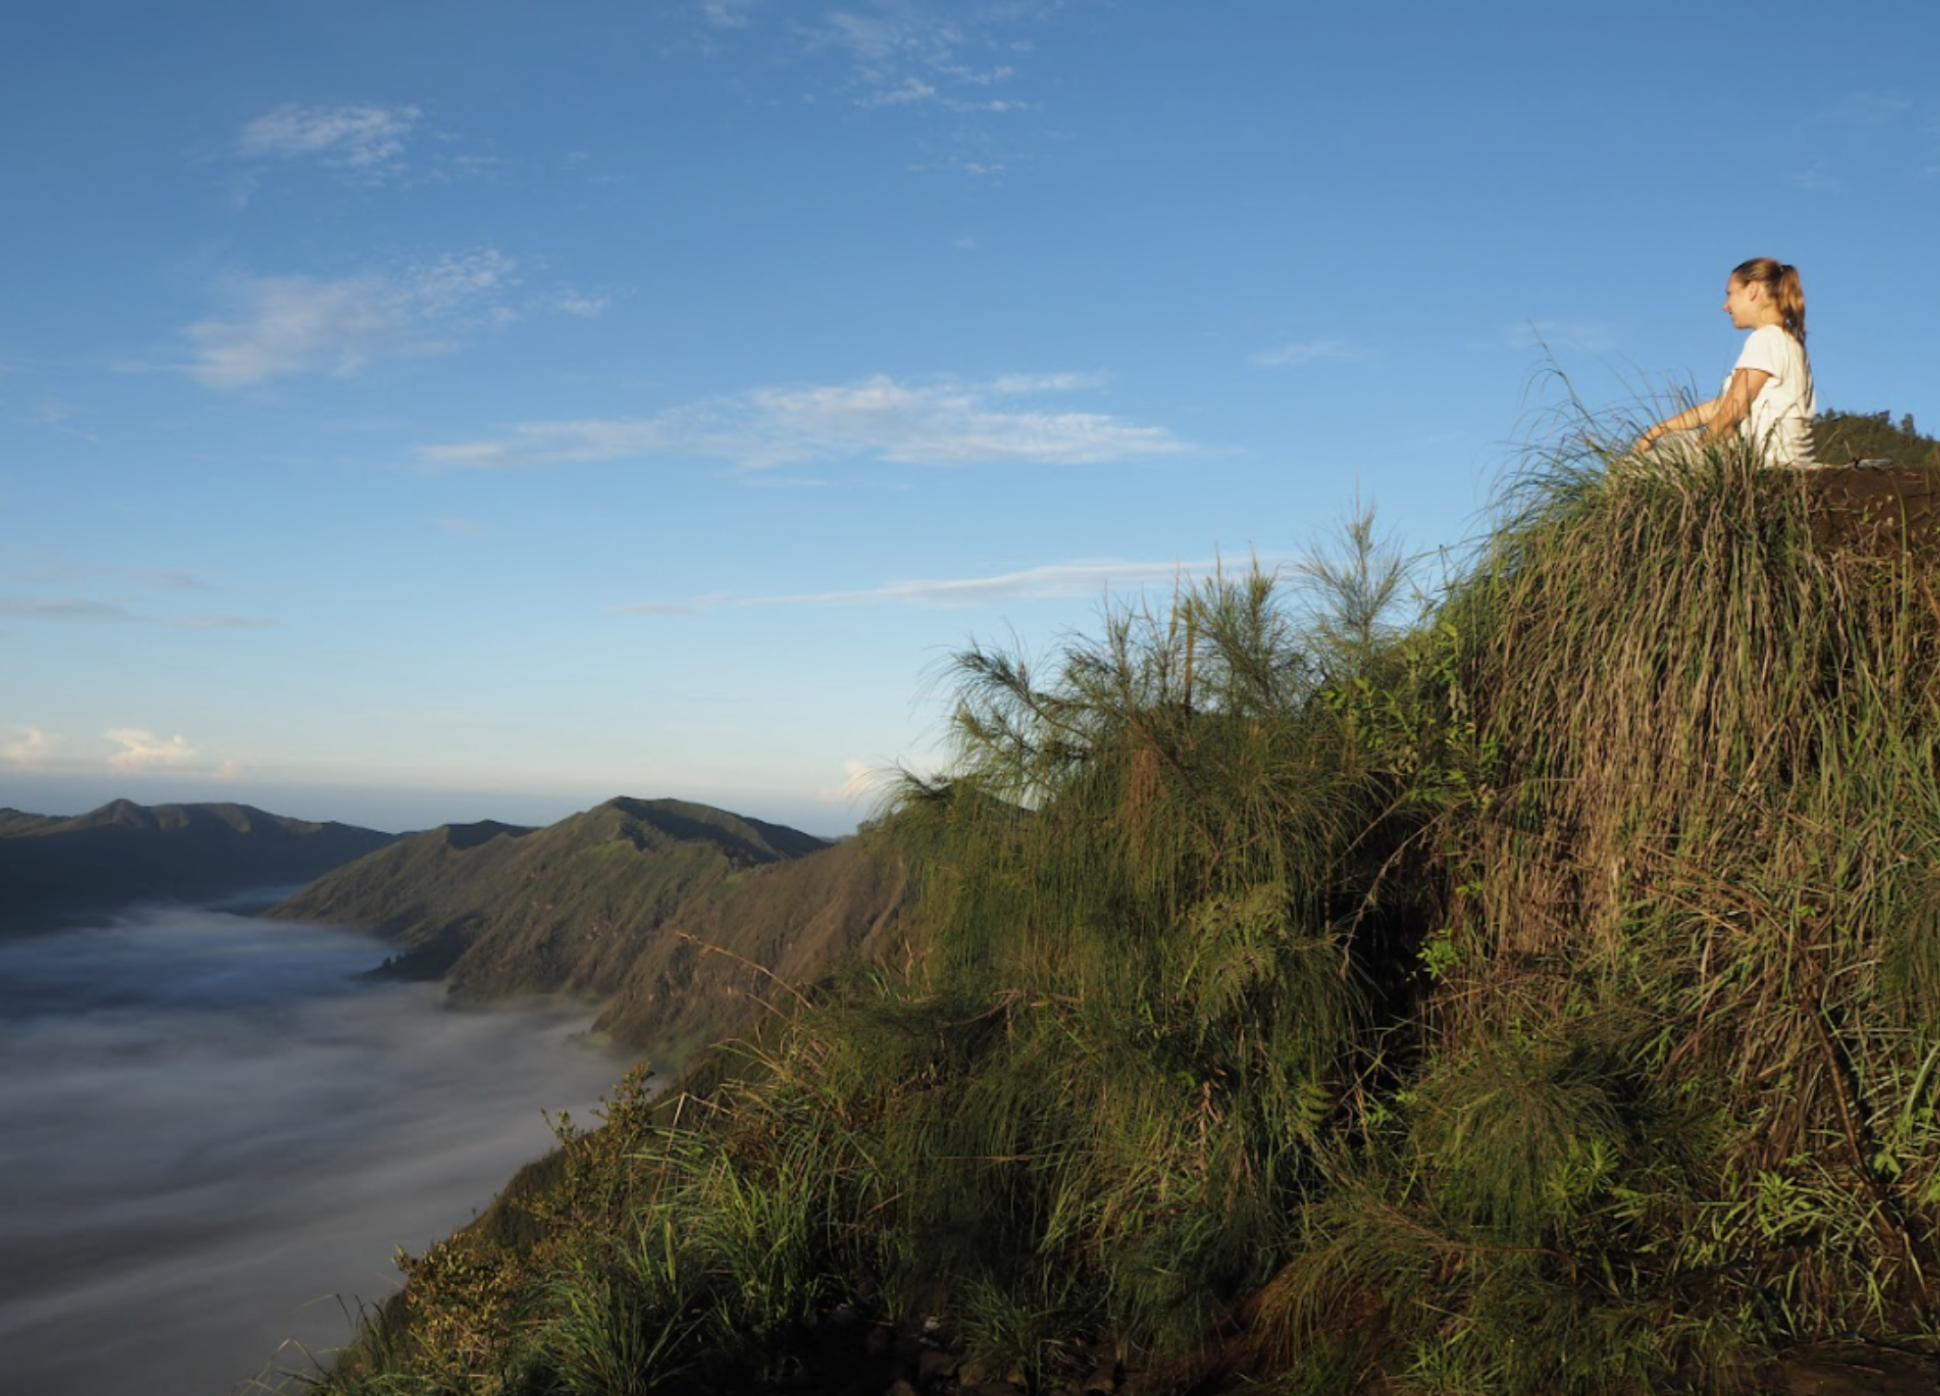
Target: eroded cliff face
(1875,510)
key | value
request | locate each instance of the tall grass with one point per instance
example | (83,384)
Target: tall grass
(1537,994)
(1675,1106)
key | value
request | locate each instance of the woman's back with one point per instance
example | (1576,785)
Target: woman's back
(1779,422)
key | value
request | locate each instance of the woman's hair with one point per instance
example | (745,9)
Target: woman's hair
(1781,283)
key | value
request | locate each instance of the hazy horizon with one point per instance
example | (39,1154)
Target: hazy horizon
(394,810)
(215,1129)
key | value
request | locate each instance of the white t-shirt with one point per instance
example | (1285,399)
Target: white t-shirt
(1780,420)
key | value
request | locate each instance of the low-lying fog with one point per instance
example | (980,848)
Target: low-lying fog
(210,1130)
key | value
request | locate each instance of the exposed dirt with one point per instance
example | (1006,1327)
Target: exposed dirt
(1861,1369)
(1875,510)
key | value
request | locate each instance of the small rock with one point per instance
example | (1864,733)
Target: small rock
(936,1366)
(899,1387)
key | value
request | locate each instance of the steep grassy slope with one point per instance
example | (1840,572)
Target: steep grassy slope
(736,946)
(1538,999)
(58,871)
(674,917)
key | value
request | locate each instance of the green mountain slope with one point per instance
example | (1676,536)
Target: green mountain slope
(1840,437)
(613,905)
(733,946)
(1538,996)
(57,871)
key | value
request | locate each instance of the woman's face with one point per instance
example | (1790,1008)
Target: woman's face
(1742,300)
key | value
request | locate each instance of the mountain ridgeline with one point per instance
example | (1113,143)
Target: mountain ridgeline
(63,871)
(676,918)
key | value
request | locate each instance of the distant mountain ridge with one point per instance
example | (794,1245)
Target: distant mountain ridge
(58,871)
(624,905)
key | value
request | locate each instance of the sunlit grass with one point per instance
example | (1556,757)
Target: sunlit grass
(1531,993)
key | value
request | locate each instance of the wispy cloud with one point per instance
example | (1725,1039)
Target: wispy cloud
(142,750)
(1868,109)
(277,326)
(365,139)
(1053,581)
(1590,336)
(216,622)
(463,528)
(64,590)
(30,747)
(958,73)
(63,608)
(860,781)
(1307,351)
(908,53)
(581,305)
(56,570)
(82,610)
(170,579)
(1817,175)
(946,421)
(726,14)
(62,417)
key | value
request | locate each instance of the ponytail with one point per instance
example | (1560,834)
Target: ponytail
(1781,283)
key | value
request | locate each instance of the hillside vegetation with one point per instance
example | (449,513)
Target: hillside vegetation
(1536,994)
(59,871)
(675,919)
(1840,438)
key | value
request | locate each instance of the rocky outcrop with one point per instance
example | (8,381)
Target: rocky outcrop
(1875,509)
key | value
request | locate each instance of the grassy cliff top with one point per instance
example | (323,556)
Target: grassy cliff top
(1536,992)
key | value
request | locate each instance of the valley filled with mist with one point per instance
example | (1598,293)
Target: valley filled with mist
(219,1133)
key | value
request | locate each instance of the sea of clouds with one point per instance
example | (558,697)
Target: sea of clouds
(216,1136)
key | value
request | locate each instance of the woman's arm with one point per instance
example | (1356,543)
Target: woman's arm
(1734,405)
(1690,417)
(1718,416)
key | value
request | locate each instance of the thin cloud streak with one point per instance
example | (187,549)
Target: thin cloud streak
(1867,109)
(366,139)
(1590,336)
(56,570)
(906,56)
(279,326)
(1054,581)
(69,609)
(940,422)
(1308,351)
(78,610)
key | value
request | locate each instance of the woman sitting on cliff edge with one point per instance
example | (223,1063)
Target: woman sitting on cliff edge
(1768,398)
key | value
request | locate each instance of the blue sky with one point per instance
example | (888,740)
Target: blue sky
(441,410)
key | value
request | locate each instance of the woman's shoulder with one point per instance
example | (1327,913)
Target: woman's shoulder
(1769,347)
